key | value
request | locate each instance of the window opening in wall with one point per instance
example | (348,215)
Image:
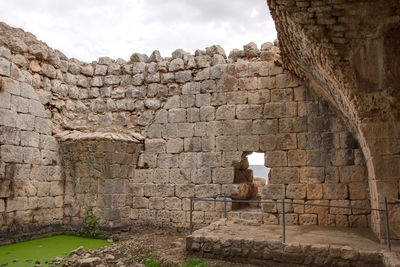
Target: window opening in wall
(251,176)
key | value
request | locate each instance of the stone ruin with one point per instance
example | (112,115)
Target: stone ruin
(136,139)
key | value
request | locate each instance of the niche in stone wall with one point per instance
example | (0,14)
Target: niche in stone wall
(250,176)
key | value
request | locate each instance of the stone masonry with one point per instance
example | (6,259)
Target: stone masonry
(137,139)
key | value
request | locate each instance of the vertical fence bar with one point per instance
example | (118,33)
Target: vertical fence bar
(224,205)
(191,216)
(283,222)
(389,246)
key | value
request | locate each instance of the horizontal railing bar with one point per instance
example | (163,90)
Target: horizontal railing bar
(274,202)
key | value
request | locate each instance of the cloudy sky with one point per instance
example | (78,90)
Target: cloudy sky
(88,29)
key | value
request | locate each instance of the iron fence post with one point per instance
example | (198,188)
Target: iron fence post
(191,215)
(283,222)
(224,205)
(389,246)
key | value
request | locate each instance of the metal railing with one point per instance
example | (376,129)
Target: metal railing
(282,203)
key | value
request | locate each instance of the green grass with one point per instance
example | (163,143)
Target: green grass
(45,249)
(150,261)
(195,263)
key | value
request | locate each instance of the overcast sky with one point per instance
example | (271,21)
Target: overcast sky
(88,29)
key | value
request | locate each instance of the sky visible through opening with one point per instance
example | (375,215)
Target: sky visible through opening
(90,29)
(256,162)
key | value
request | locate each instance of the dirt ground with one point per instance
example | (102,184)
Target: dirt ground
(168,248)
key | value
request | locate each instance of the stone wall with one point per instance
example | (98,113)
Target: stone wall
(197,117)
(349,51)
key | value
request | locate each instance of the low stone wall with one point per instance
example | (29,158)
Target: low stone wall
(276,253)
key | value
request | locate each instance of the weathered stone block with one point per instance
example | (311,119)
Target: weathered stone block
(155,145)
(314,191)
(286,141)
(203,100)
(193,144)
(265,127)
(319,210)
(308,140)
(207,113)
(201,176)
(296,191)
(353,173)
(281,95)
(143,176)
(163,190)
(177,115)
(173,203)
(344,203)
(226,143)
(308,219)
(186,190)
(175,145)
(296,158)
(238,97)
(185,129)
(43,126)
(209,159)
(24,121)
(248,143)
(317,158)
(312,175)
(11,153)
(140,203)
(273,191)
(226,112)
(179,176)
(187,160)
(280,110)
(156,203)
(244,112)
(275,158)
(358,191)
(223,175)
(335,191)
(208,190)
(258,97)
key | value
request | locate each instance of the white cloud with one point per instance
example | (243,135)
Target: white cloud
(88,29)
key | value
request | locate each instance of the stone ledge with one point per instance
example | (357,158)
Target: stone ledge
(76,135)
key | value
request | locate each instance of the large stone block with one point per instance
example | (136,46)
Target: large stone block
(156,203)
(280,110)
(203,100)
(268,142)
(296,191)
(226,143)
(265,127)
(11,153)
(201,175)
(29,139)
(173,203)
(175,145)
(177,115)
(308,219)
(43,126)
(155,145)
(223,175)
(275,159)
(226,112)
(244,112)
(286,141)
(185,190)
(273,191)
(258,97)
(193,144)
(317,158)
(187,160)
(335,191)
(248,143)
(314,191)
(296,158)
(161,190)
(209,159)
(185,129)
(352,173)
(340,203)
(284,175)
(24,121)
(358,191)
(207,113)
(308,140)
(143,176)
(9,136)
(208,190)
(312,175)
(281,95)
